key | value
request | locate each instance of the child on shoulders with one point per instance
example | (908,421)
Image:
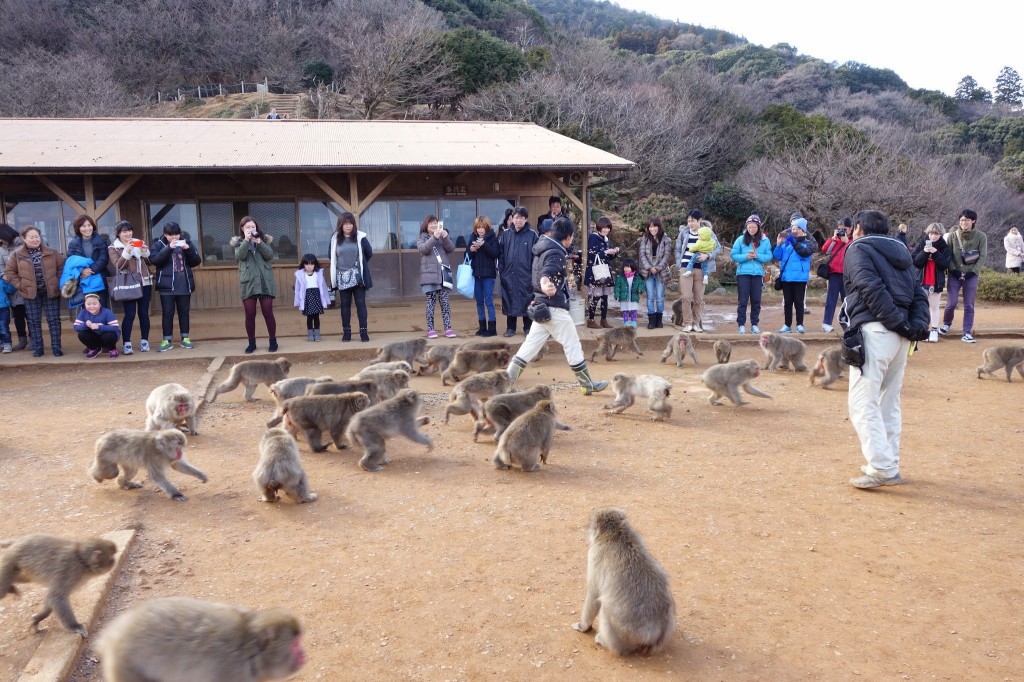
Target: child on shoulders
(629,286)
(97,328)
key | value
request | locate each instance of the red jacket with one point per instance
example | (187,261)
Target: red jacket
(836,264)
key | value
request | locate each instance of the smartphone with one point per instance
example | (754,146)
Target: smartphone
(440,224)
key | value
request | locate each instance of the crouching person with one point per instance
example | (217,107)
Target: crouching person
(97,328)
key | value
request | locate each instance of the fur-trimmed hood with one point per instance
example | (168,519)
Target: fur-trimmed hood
(238,239)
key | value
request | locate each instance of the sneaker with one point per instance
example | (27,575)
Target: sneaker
(933,336)
(698,328)
(827,328)
(187,342)
(91,352)
(754,329)
(875,481)
(431,334)
(688,273)
(688,328)
(512,332)
(143,346)
(785,329)
(800,329)
(944,329)
(450,333)
(743,329)
(705,279)
(967,338)
(126,348)
(113,354)
(165,346)
(7,348)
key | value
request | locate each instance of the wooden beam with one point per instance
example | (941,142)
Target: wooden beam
(353,190)
(372,196)
(90,196)
(61,194)
(329,191)
(125,185)
(557,182)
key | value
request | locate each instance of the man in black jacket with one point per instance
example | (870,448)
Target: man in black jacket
(883,300)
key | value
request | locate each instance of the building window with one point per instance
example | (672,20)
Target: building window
(217,225)
(184,213)
(494,209)
(317,222)
(277,219)
(39,209)
(411,213)
(380,223)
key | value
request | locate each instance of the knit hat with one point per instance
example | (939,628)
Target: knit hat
(753,218)
(800,223)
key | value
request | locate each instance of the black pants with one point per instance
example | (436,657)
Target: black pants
(749,291)
(170,302)
(91,338)
(510,323)
(19,315)
(345,297)
(793,296)
(138,307)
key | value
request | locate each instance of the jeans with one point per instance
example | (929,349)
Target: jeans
(345,297)
(793,295)
(655,294)
(170,302)
(954,285)
(483,292)
(5,325)
(140,306)
(836,291)
(749,289)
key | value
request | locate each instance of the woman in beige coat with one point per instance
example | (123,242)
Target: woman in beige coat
(132,255)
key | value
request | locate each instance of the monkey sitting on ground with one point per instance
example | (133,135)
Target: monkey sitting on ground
(130,450)
(470,393)
(372,427)
(502,410)
(169,407)
(527,439)
(61,564)
(280,468)
(413,351)
(174,638)
(783,350)
(678,346)
(252,373)
(829,365)
(466,362)
(627,589)
(1003,356)
(725,380)
(314,414)
(367,386)
(290,388)
(611,339)
(389,381)
(723,351)
(654,388)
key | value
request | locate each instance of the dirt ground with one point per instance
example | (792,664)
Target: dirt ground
(443,568)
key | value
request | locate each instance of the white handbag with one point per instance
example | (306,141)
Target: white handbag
(600,270)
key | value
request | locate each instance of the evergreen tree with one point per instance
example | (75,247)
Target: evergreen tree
(965,89)
(1008,87)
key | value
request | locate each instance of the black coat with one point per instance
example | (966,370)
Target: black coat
(597,246)
(941,257)
(881,286)
(485,260)
(515,265)
(94,247)
(162,256)
(550,260)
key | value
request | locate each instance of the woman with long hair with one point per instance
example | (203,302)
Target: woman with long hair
(434,247)
(656,269)
(350,273)
(483,255)
(256,279)
(751,251)
(132,255)
(88,242)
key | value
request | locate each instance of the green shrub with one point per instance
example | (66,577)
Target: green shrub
(726,272)
(1001,286)
(187,103)
(672,210)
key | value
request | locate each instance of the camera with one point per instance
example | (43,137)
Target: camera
(841,232)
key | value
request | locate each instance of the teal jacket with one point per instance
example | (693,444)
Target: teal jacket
(623,292)
(755,266)
(255,274)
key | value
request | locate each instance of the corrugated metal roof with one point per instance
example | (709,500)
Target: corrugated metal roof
(150,144)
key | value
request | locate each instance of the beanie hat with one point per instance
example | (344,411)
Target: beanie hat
(801,223)
(753,218)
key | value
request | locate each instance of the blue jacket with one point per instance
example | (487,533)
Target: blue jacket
(95,248)
(73,267)
(5,289)
(794,256)
(744,266)
(105,318)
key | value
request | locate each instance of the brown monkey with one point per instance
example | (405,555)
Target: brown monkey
(527,439)
(373,426)
(174,638)
(439,358)
(469,394)
(501,410)
(280,468)
(290,388)
(130,450)
(783,350)
(677,312)
(413,351)
(367,386)
(60,564)
(610,340)
(389,381)
(654,388)
(627,589)
(170,406)
(252,373)
(489,344)
(1003,356)
(383,367)
(725,380)
(828,365)
(314,414)
(468,361)
(723,351)
(678,346)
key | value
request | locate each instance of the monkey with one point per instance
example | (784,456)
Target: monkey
(654,388)
(468,361)
(389,381)
(677,347)
(677,312)
(1003,356)
(725,380)
(627,589)
(130,450)
(783,350)
(439,358)
(528,437)
(611,339)
(384,367)
(170,405)
(314,414)
(723,351)
(489,344)
(290,388)
(280,468)
(501,410)
(828,365)
(468,394)
(413,352)
(252,373)
(176,638)
(374,425)
(367,386)
(60,564)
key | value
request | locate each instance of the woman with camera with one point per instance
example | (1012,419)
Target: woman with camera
(931,258)
(132,255)
(835,248)
(436,278)
(256,278)
(174,255)
(969,247)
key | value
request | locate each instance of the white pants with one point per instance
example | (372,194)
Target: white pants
(933,309)
(561,328)
(874,398)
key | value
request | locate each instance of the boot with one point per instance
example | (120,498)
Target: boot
(482,331)
(652,320)
(657,322)
(22,343)
(251,348)
(310,336)
(273,345)
(363,335)
(605,323)
(515,368)
(492,328)
(587,385)
(346,334)
(592,325)
(316,334)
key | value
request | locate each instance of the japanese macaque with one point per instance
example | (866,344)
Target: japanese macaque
(677,312)
(439,357)
(60,564)
(122,452)
(280,468)
(610,340)
(678,346)
(528,438)
(169,407)
(389,381)
(384,367)
(474,361)
(174,638)
(829,365)
(783,350)
(725,381)
(469,394)
(252,373)
(373,426)
(500,411)
(723,351)
(650,387)
(1009,357)
(314,414)
(488,344)
(627,589)
(413,351)
(290,388)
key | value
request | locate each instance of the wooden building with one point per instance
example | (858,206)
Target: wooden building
(294,176)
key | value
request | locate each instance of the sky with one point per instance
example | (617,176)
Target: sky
(926,44)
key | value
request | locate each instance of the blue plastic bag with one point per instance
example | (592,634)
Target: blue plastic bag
(464,279)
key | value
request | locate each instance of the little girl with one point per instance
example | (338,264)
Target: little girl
(97,328)
(628,289)
(705,244)
(311,295)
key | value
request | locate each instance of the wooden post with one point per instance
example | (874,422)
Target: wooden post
(90,197)
(243,92)
(220,88)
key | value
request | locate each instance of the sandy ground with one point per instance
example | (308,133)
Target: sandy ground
(443,568)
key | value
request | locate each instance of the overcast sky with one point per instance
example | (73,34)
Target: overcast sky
(929,45)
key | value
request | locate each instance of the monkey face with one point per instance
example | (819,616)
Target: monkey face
(298,655)
(182,409)
(764,341)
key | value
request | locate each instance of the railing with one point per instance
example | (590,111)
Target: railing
(204,91)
